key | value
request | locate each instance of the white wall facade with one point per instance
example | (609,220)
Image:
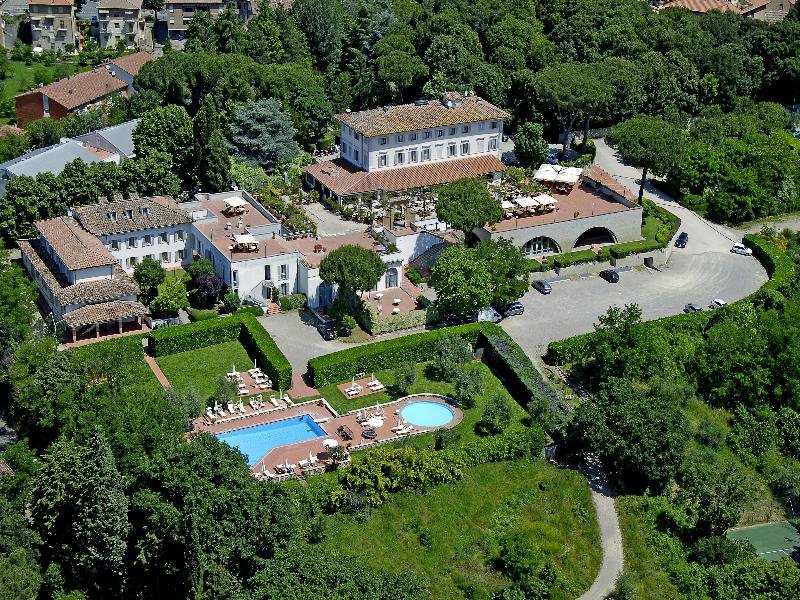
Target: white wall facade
(481,138)
(171,253)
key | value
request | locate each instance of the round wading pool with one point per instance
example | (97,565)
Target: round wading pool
(427,414)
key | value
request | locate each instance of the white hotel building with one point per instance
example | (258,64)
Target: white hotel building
(396,148)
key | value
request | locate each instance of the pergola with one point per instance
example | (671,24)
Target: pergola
(95,315)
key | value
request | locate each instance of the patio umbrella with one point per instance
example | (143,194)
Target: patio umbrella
(330,443)
(286,464)
(311,456)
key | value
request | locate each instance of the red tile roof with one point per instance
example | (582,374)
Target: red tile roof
(703,6)
(133,63)
(605,179)
(83,88)
(344,178)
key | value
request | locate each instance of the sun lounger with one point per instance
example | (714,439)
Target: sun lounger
(405,430)
(377,387)
(321,421)
(274,401)
(288,400)
(253,405)
(398,428)
(352,391)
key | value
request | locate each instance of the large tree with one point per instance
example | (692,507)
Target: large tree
(462,281)
(648,143)
(167,130)
(508,269)
(263,134)
(530,147)
(352,268)
(211,151)
(148,275)
(321,21)
(466,204)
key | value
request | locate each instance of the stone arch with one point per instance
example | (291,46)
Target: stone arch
(595,235)
(540,245)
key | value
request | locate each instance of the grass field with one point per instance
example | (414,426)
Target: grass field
(773,541)
(649,227)
(450,535)
(199,369)
(24,77)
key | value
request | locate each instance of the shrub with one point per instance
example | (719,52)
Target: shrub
(347,325)
(450,353)
(231,302)
(469,386)
(375,324)
(414,276)
(404,377)
(171,298)
(197,314)
(242,327)
(388,354)
(628,248)
(293,302)
(256,311)
(534,266)
(496,416)
(574,258)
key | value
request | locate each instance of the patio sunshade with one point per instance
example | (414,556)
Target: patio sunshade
(330,443)
(558,173)
(235,202)
(546,200)
(243,238)
(507,205)
(527,202)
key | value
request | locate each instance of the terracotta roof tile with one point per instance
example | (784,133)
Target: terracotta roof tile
(411,117)
(95,290)
(703,6)
(605,179)
(343,178)
(76,247)
(133,63)
(104,312)
(83,88)
(145,213)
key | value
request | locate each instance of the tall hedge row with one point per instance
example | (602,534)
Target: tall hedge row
(341,366)
(243,327)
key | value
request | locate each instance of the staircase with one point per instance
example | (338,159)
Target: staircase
(273,308)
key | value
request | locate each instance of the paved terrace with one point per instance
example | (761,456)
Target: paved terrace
(320,411)
(385,301)
(582,199)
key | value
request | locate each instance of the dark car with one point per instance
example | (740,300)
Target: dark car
(692,307)
(541,286)
(513,309)
(327,331)
(682,240)
(610,275)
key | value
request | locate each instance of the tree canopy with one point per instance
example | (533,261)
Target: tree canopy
(352,268)
(262,134)
(466,204)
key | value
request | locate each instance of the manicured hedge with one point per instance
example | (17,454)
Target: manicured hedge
(256,311)
(628,248)
(260,346)
(242,327)
(779,266)
(376,324)
(574,258)
(198,314)
(418,347)
(293,301)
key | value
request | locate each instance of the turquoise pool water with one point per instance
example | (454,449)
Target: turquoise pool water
(255,442)
(428,414)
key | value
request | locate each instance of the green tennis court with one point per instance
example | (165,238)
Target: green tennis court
(773,541)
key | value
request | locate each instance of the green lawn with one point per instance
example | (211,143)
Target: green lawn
(199,369)
(424,383)
(24,77)
(650,226)
(449,536)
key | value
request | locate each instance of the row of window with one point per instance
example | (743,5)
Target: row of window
(284,272)
(426,135)
(148,240)
(414,155)
(164,257)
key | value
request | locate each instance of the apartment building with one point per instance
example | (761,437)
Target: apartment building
(53,24)
(120,20)
(426,143)
(179,14)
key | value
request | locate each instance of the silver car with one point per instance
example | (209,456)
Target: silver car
(541,286)
(741,249)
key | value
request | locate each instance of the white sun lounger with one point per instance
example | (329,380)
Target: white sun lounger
(274,401)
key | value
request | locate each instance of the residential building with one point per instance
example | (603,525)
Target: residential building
(137,228)
(80,281)
(179,13)
(120,20)
(111,144)
(761,10)
(83,91)
(595,210)
(395,148)
(53,25)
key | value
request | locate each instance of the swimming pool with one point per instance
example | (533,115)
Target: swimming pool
(255,442)
(427,414)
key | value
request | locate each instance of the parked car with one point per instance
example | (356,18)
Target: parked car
(692,307)
(327,331)
(513,309)
(610,275)
(487,313)
(741,249)
(717,303)
(541,286)
(682,240)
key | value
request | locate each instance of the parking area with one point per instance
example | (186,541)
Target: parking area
(773,541)
(329,223)
(690,276)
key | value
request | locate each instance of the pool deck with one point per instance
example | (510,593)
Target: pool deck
(320,410)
